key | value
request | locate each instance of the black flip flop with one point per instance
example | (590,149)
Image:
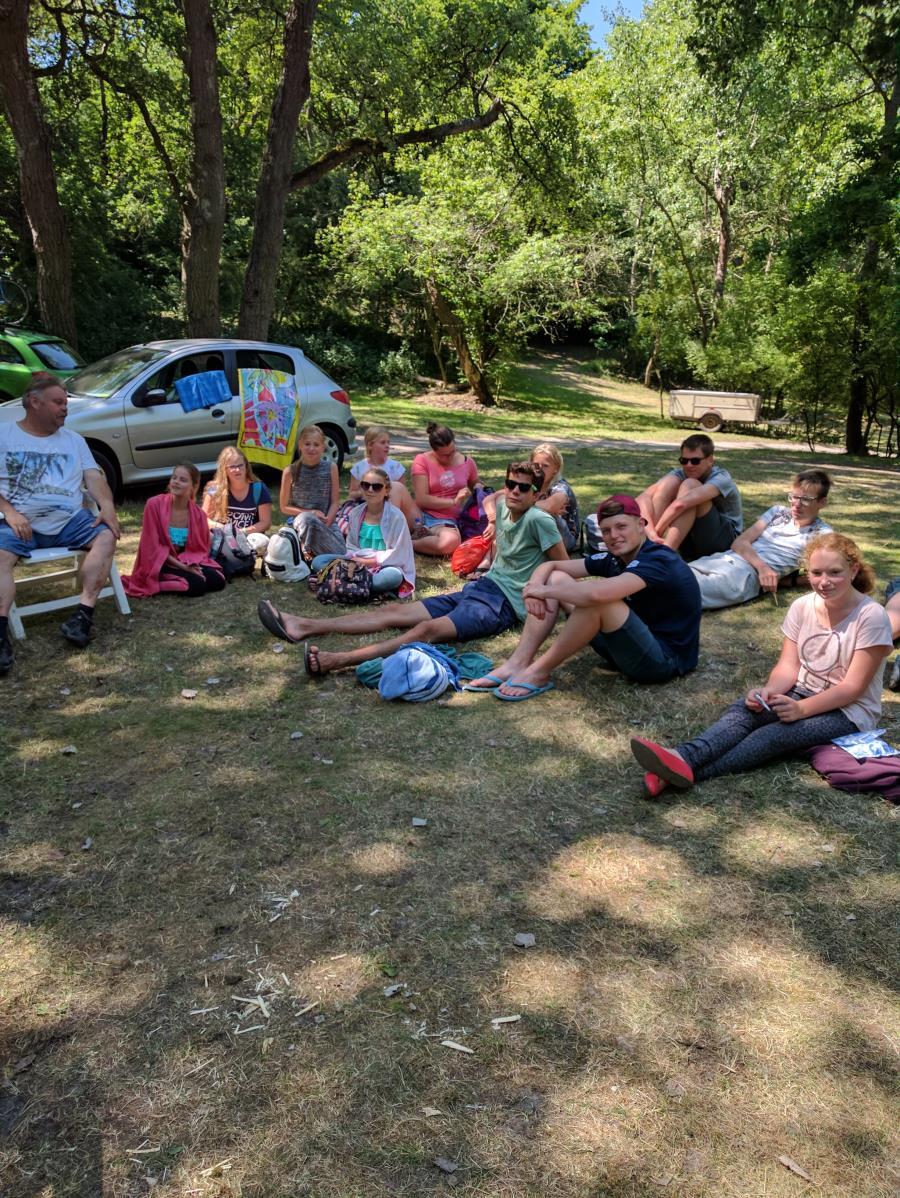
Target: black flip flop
(270,618)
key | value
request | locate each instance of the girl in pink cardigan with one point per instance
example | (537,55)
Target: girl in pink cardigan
(173,552)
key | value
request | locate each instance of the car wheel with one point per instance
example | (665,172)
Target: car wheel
(335,445)
(110,468)
(711,422)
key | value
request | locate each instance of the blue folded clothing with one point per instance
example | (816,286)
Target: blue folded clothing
(203,390)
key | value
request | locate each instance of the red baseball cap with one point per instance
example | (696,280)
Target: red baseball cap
(627,503)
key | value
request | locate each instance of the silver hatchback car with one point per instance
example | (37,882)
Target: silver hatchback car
(127,409)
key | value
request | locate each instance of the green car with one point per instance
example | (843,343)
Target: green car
(23,352)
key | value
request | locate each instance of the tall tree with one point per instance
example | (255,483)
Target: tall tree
(37,176)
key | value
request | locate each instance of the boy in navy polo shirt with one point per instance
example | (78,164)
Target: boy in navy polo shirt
(637,605)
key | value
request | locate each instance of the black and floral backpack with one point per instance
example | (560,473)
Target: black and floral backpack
(342,581)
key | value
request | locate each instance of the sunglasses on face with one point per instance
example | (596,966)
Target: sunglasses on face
(513,484)
(690,461)
(376,487)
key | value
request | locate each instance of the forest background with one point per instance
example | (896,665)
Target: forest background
(424,186)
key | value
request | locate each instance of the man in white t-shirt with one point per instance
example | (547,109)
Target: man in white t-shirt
(768,550)
(44,471)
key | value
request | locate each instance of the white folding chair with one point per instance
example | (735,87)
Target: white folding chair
(113,589)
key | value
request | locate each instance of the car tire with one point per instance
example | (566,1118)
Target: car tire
(335,445)
(710,422)
(110,467)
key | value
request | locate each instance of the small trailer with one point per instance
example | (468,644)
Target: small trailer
(712,409)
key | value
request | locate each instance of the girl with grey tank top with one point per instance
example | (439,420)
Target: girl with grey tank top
(310,492)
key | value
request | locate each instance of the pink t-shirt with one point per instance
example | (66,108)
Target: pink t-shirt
(825,653)
(444,481)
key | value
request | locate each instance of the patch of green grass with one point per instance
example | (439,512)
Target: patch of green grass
(710,984)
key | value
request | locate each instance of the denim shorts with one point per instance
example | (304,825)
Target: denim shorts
(479,610)
(436,521)
(636,653)
(78,533)
(893,587)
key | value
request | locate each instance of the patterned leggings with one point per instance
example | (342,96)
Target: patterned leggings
(742,739)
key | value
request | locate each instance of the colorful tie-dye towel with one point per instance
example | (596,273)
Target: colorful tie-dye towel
(270,415)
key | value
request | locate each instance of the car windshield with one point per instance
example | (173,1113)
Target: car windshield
(106,377)
(57,355)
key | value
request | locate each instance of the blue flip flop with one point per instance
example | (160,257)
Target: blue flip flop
(531,691)
(494,679)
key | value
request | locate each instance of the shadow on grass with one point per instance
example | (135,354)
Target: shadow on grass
(698,1001)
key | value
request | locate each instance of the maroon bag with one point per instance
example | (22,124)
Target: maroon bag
(874,775)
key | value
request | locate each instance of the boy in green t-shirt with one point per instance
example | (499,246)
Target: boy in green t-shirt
(525,535)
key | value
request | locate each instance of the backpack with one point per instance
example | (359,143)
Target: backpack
(342,581)
(416,674)
(232,551)
(472,520)
(284,559)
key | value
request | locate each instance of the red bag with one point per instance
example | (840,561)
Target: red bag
(467,556)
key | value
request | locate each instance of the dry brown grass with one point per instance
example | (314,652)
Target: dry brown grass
(711,983)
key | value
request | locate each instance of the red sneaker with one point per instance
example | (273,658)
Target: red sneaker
(653,786)
(662,762)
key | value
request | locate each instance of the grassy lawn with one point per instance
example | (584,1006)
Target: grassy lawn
(552,396)
(710,986)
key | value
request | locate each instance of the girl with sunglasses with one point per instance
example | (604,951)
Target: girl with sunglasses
(378,537)
(826,682)
(378,450)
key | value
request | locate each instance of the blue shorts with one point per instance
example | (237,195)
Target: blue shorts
(78,533)
(436,521)
(480,609)
(636,653)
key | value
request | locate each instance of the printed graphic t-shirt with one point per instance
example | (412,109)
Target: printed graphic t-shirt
(444,481)
(244,513)
(782,541)
(669,604)
(825,653)
(42,476)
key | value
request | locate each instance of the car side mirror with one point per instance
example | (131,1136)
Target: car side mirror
(150,399)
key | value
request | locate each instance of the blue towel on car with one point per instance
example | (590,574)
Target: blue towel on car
(203,390)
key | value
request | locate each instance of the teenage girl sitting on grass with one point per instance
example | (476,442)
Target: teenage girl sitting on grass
(378,448)
(825,684)
(443,481)
(377,536)
(173,552)
(310,491)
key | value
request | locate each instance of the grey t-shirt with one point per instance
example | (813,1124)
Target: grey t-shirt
(728,500)
(782,541)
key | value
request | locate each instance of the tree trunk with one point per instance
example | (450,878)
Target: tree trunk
(434,330)
(457,334)
(37,178)
(723,194)
(258,297)
(854,437)
(203,213)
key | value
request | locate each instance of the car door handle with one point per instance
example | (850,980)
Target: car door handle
(217,414)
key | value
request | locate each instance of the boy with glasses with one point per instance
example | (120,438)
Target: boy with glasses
(637,605)
(696,507)
(769,549)
(525,537)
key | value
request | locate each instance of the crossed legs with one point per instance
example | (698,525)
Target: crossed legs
(668,490)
